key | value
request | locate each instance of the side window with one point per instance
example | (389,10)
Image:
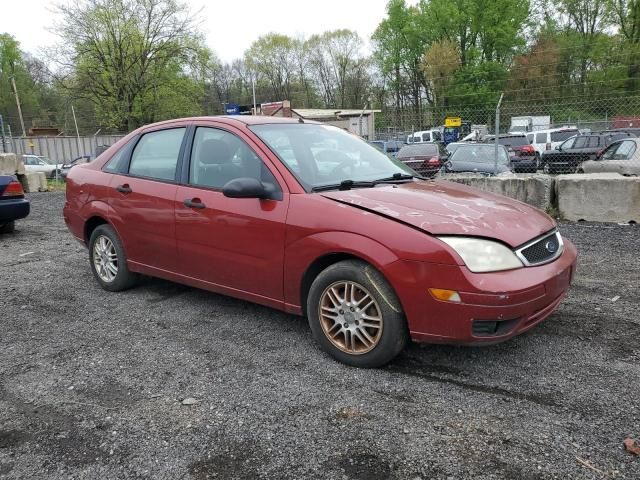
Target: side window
(625,150)
(581,142)
(594,142)
(568,144)
(156,154)
(610,152)
(530,137)
(218,157)
(541,138)
(117,162)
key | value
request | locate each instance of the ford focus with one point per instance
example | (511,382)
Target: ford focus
(310,219)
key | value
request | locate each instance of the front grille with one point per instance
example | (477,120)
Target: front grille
(543,250)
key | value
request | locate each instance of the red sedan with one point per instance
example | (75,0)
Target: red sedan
(306,218)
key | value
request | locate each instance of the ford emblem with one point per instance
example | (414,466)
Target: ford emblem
(551,246)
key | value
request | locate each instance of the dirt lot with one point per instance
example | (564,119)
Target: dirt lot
(92,383)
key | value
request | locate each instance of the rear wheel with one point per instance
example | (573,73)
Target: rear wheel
(9,227)
(108,260)
(355,316)
(546,169)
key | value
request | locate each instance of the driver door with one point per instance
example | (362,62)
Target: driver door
(235,244)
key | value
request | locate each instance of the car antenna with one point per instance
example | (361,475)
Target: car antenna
(300,120)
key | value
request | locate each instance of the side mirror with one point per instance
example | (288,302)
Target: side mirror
(244,188)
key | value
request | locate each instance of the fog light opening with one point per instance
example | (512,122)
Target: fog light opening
(445,295)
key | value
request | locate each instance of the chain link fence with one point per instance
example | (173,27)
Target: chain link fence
(563,135)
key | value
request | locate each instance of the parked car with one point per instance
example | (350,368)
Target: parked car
(64,170)
(433,135)
(621,157)
(478,158)
(424,158)
(13,204)
(543,140)
(369,253)
(522,155)
(569,155)
(39,163)
(452,147)
(392,147)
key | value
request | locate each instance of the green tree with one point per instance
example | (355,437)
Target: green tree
(124,56)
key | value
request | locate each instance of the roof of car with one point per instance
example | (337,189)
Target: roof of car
(246,119)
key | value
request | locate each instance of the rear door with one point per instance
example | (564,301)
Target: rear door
(235,243)
(142,196)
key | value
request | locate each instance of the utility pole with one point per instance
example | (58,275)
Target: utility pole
(4,142)
(15,92)
(495,160)
(253,85)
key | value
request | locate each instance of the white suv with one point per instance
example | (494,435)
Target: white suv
(543,140)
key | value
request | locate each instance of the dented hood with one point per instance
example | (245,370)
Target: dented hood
(447,208)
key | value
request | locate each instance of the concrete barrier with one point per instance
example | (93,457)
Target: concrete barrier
(598,197)
(34,182)
(11,164)
(536,190)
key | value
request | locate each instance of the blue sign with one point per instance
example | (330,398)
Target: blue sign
(232,109)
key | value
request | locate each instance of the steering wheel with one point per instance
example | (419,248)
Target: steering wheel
(345,165)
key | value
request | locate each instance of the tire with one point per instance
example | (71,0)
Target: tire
(9,227)
(109,242)
(378,341)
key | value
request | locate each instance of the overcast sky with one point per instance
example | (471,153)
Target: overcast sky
(230,25)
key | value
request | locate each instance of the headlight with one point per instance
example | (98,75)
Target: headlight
(483,255)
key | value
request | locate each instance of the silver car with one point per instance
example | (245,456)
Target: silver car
(621,157)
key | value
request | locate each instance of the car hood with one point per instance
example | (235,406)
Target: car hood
(447,208)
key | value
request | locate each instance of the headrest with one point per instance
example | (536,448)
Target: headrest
(214,152)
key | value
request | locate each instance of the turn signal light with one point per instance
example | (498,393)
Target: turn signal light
(14,189)
(445,295)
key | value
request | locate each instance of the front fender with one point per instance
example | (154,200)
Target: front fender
(300,254)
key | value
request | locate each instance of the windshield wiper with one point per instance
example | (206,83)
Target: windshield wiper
(344,185)
(396,177)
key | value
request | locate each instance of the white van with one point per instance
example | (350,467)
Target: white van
(433,135)
(543,140)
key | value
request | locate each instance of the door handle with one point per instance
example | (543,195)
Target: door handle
(124,188)
(194,203)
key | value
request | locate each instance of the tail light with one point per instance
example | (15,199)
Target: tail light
(433,161)
(548,146)
(14,189)
(528,149)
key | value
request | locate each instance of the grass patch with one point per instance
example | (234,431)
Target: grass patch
(56,185)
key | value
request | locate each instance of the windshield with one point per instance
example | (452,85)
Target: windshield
(562,135)
(325,155)
(513,141)
(479,154)
(420,149)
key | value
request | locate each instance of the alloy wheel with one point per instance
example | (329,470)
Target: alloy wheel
(350,317)
(105,259)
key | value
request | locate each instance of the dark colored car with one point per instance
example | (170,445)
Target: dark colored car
(424,158)
(13,204)
(568,157)
(372,255)
(522,155)
(391,147)
(478,158)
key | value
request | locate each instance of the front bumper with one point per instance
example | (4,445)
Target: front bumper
(511,301)
(14,209)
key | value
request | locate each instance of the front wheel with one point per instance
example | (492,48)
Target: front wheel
(108,260)
(355,315)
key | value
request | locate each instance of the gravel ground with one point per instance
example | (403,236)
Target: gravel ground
(92,383)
